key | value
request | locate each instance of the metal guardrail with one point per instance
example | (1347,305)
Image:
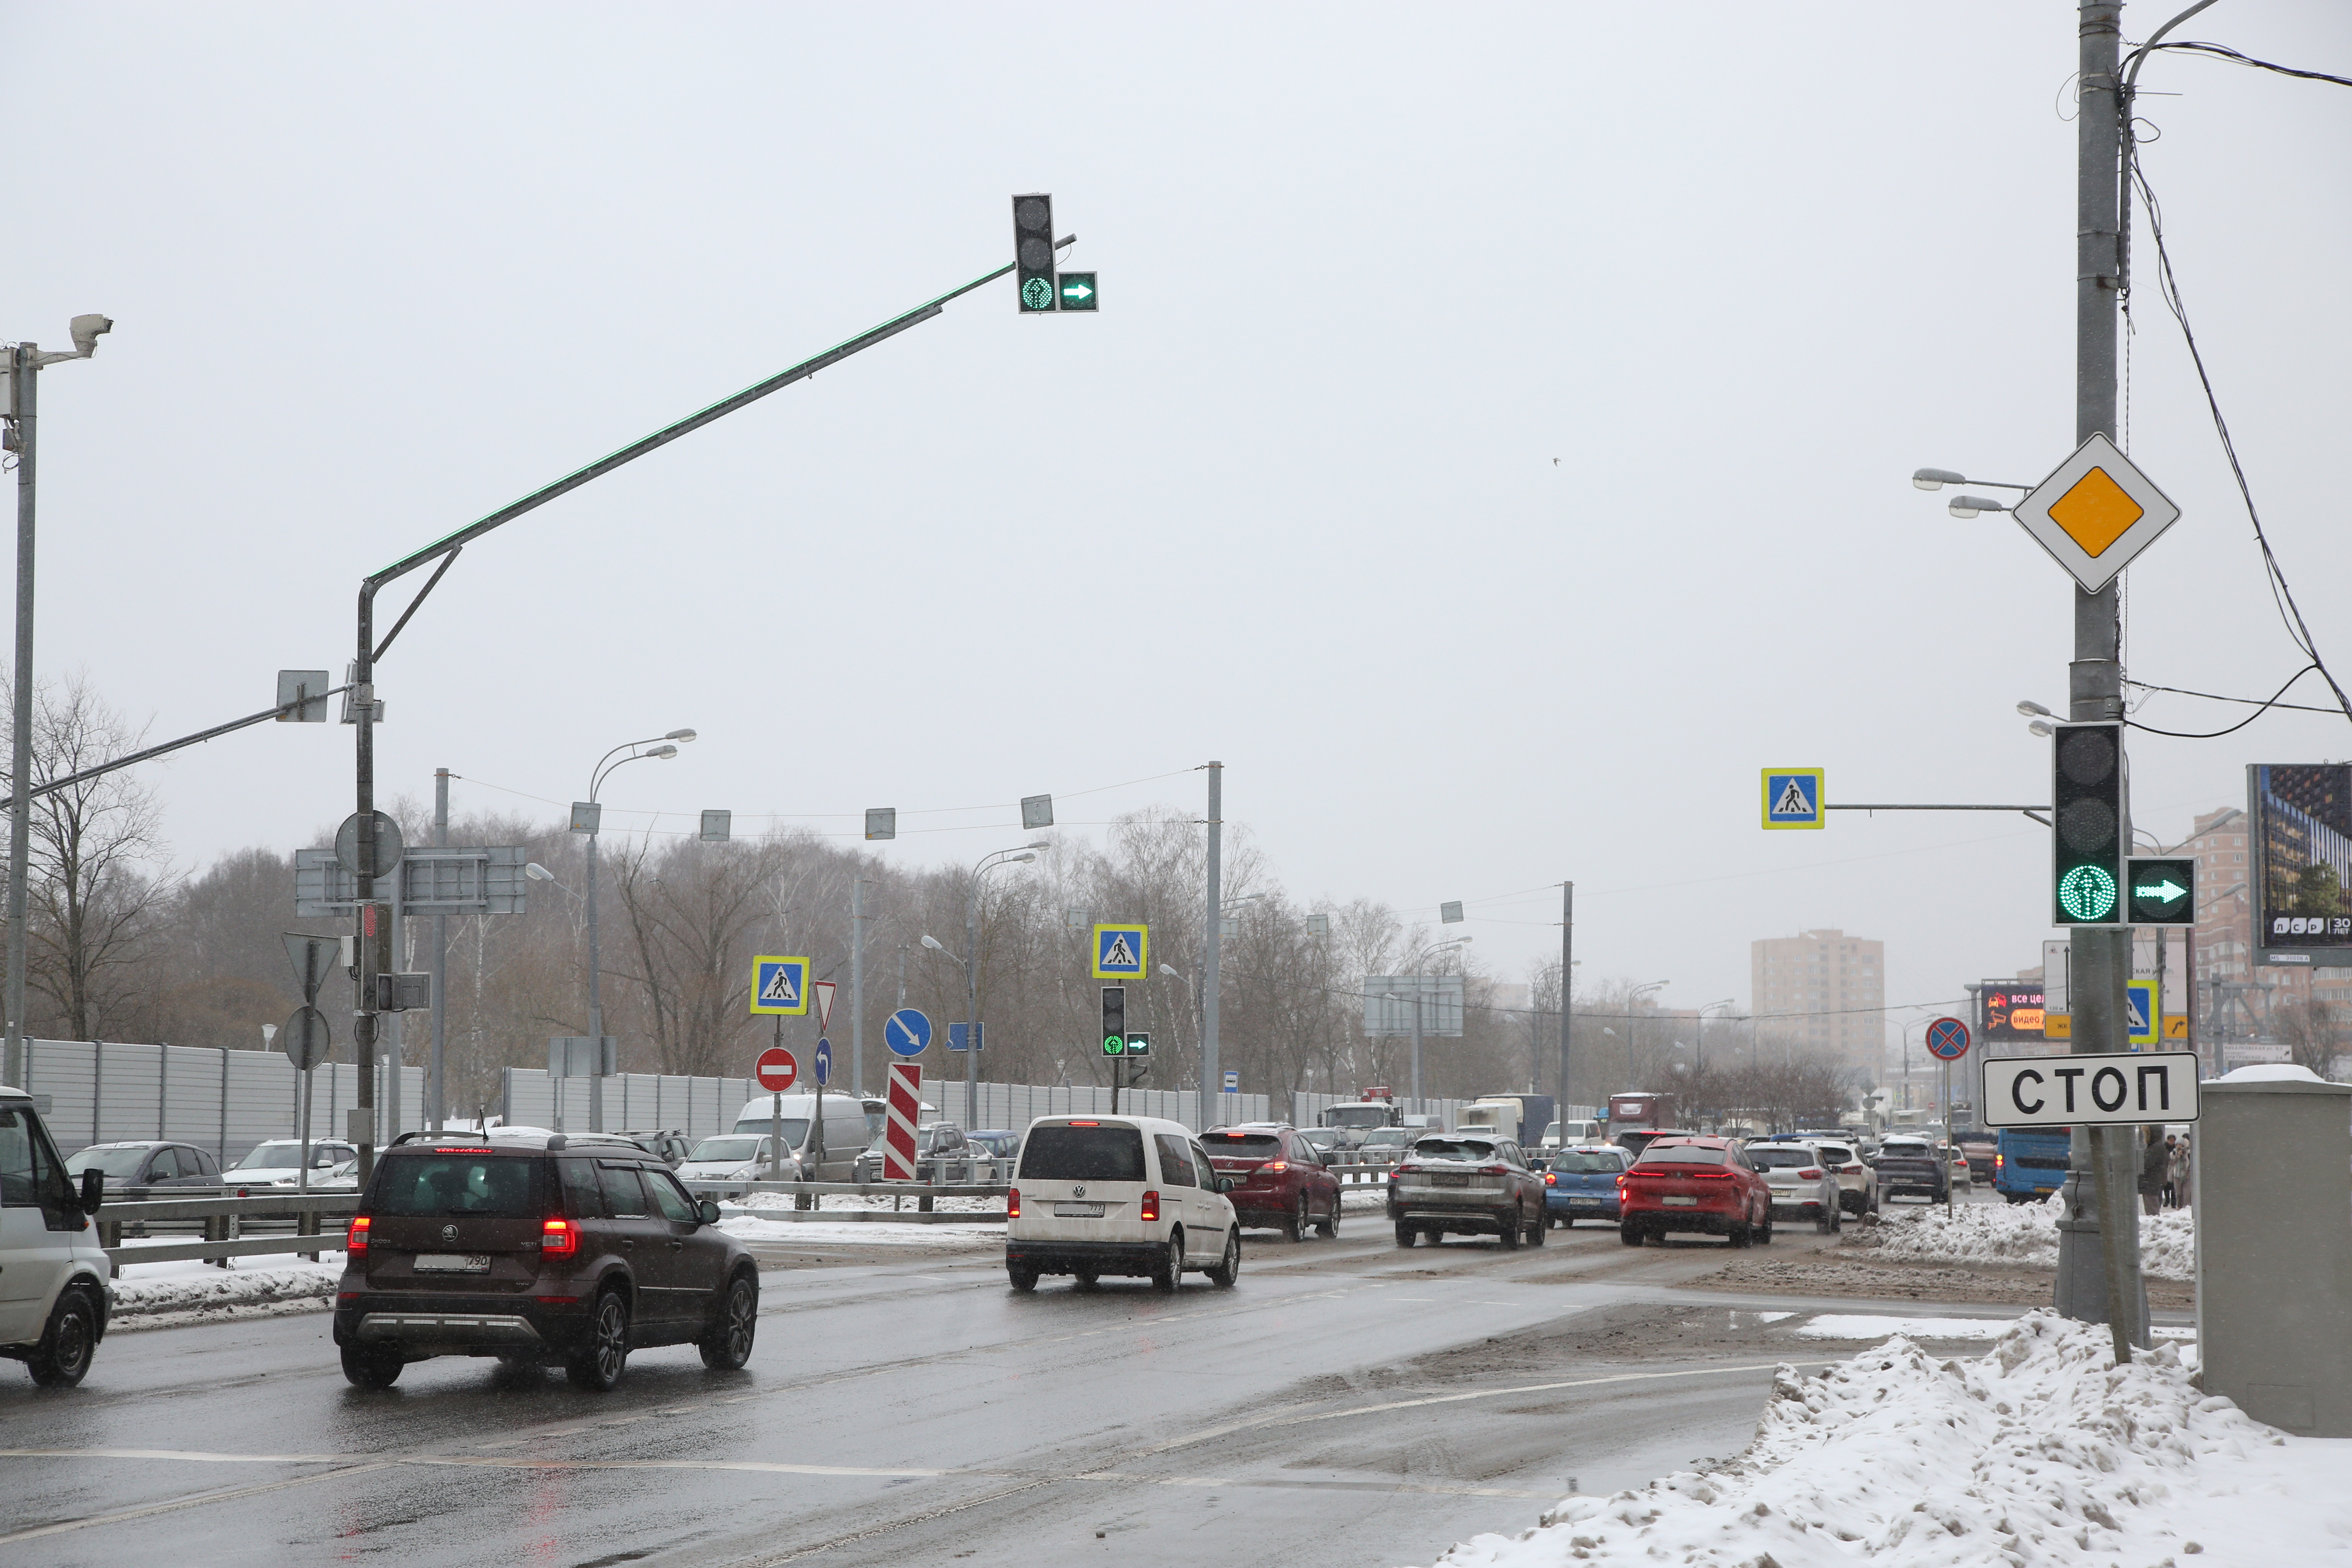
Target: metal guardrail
(222,1221)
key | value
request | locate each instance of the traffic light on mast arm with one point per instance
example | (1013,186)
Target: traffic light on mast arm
(1033,254)
(1114,1020)
(2087,824)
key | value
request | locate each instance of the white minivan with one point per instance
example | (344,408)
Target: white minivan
(850,1124)
(52,1270)
(1118,1194)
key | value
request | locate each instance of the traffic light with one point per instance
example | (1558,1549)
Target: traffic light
(1032,256)
(2087,800)
(1139,1044)
(2161,891)
(1114,1020)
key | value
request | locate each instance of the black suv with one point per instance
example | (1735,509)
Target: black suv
(540,1251)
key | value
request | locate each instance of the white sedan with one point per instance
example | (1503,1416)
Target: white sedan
(735,1157)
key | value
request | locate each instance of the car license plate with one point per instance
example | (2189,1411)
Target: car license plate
(1446,1181)
(452,1263)
(1078,1211)
(1587,1202)
(1678,1200)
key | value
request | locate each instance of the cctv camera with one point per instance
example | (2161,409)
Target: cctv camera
(87,329)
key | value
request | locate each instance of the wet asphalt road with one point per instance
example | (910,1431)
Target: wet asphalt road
(913,1411)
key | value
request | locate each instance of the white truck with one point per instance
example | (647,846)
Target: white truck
(53,1272)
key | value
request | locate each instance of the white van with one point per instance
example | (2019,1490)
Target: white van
(1569,1134)
(1118,1194)
(850,1124)
(52,1270)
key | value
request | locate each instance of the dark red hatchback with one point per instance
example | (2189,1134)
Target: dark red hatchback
(1688,1183)
(1282,1183)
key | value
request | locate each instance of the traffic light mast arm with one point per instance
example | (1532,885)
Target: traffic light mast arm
(202,735)
(2032,811)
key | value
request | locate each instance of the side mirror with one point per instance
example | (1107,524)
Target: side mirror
(93,1190)
(1227,1184)
(708,1211)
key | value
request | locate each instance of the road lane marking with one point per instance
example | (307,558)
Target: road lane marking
(169,1505)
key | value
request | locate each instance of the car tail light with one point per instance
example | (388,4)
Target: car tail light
(1150,1208)
(1013,1203)
(1550,1179)
(1275,1166)
(557,1238)
(1493,1169)
(356,1239)
(1852,1170)
(1408,1170)
(1810,1173)
(1621,1183)
(1085,1124)
(1998,1161)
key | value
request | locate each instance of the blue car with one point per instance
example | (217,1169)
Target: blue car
(1581,1183)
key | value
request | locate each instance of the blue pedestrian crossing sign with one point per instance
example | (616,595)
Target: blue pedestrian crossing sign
(1792,797)
(823,1064)
(2141,1009)
(907,1032)
(1121,952)
(779,985)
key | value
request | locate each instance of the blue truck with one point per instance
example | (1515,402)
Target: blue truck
(2029,1164)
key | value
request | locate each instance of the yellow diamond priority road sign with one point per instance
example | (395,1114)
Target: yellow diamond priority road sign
(2096,513)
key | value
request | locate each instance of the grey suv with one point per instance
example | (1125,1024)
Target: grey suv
(537,1251)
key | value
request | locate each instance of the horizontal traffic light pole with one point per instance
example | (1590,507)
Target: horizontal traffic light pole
(2029,810)
(262,717)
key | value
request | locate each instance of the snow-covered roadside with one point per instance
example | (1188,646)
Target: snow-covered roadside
(2041,1451)
(872,1233)
(2021,1233)
(168,1295)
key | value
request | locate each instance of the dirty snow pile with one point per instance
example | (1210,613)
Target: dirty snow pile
(167,1295)
(2041,1452)
(2023,1233)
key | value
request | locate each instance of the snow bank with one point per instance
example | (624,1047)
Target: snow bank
(1862,1326)
(167,1295)
(2041,1451)
(2023,1233)
(871,1232)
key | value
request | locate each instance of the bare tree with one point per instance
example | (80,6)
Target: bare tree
(2313,1033)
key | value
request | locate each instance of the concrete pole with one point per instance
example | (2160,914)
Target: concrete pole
(972,1005)
(1417,1108)
(595,1006)
(25,372)
(1211,1079)
(436,1093)
(857,984)
(2099,1282)
(1567,981)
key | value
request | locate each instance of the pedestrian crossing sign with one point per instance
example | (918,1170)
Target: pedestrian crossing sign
(779,985)
(1792,797)
(2141,1008)
(1121,952)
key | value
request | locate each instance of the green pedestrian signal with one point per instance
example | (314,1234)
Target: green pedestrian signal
(2163,890)
(1037,294)
(1114,1020)
(2088,835)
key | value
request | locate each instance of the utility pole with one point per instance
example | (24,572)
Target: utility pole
(2098,1240)
(440,1101)
(857,984)
(1567,972)
(22,406)
(1211,1084)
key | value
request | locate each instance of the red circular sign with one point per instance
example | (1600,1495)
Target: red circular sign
(1947,1039)
(777,1070)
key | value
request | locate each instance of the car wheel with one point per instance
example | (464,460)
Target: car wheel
(1827,1222)
(1629,1233)
(1294,1221)
(1407,1235)
(1229,1268)
(67,1345)
(1536,1231)
(1021,1276)
(1743,1232)
(1169,1271)
(1764,1231)
(1837,1221)
(1329,1229)
(728,1346)
(599,1366)
(1509,1235)
(368,1366)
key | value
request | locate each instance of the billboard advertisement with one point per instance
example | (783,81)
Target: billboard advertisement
(2012,1011)
(2300,832)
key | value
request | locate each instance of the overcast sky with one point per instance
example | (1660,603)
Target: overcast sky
(1494,445)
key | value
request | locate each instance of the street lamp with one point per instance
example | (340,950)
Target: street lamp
(1633,996)
(588,822)
(971,962)
(19,404)
(1422,958)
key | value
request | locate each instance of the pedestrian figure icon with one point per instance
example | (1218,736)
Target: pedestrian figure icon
(779,987)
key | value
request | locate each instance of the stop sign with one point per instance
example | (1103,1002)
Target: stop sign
(777,1070)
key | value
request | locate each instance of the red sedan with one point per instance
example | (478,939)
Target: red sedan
(1694,1183)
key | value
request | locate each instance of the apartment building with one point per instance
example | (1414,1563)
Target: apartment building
(1824,990)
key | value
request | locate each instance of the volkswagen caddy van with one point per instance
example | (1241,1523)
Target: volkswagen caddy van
(1132,1196)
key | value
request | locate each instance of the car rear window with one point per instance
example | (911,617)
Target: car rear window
(1903,1151)
(441,1181)
(1580,1164)
(1681,1155)
(1466,1149)
(1064,1152)
(1781,1159)
(1265,1144)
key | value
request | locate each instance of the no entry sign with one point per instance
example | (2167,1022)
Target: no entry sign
(777,1070)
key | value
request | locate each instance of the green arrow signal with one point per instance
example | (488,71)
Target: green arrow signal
(1076,291)
(2167,890)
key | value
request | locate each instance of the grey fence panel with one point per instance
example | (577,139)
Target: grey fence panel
(225,1100)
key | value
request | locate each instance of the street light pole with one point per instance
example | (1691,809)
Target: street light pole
(1567,981)
(991,861)
(23,409)
(596,777)
(1211,1085)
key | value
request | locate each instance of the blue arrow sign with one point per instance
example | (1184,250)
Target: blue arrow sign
(823,1064)
(907,1032)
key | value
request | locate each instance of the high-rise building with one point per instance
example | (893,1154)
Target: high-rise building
(1825,992)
